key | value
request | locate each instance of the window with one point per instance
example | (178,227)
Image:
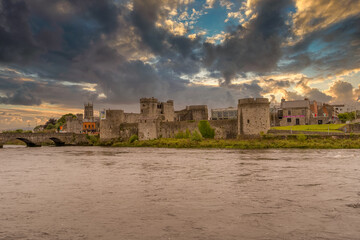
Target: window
(280,113)
(289,120)
(289,113)
(303,112)
(248,121)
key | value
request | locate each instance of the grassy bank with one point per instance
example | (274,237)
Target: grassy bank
(312,128)
(269,142)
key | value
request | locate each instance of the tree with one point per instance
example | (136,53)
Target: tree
(62,120)
(348,116)
(205,129)
(50,124)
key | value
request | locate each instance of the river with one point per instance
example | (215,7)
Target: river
(149,193)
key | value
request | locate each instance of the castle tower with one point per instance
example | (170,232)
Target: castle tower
(149,107)
(88,111)
(253,116)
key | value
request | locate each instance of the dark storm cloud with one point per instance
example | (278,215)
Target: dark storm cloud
(178,53)
(256,48)
(337,48)
(16,41)
(34,93)
(63,44)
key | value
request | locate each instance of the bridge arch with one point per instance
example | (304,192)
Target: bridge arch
(57,141)
(28,142)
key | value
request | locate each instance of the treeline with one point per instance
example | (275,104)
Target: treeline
(348,116)
(54,124)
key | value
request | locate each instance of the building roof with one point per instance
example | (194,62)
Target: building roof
(295,104)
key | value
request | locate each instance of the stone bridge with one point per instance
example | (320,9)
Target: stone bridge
(38,139)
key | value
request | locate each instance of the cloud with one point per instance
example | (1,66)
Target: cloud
(316,15)
(312,93)
(256,48)
(343,92)
(64,52)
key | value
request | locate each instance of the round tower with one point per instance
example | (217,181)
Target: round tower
(253,116)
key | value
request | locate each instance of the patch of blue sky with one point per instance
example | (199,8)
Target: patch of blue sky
(316,46)
(212,21)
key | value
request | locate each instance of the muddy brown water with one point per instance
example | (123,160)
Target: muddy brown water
(148,193)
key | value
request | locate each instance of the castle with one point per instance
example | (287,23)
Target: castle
(159,119)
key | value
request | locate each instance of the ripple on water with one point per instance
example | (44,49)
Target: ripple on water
(145,193)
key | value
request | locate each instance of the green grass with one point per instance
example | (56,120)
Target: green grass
(312,128)
(292,141)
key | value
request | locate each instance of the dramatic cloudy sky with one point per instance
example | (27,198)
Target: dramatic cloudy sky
(55,55)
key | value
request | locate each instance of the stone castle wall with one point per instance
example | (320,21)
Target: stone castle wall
(253,116)
(131,117)
(127,130)
(148,128)
(224,129)
(73,125)
(110,127)
(157,120)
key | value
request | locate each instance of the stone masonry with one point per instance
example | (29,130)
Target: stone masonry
(253,116)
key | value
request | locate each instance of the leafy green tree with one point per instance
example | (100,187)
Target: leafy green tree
(205,129)
(348,116)
(50,126)
(61,121)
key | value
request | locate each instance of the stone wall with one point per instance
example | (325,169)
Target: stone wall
(253,116)
(151,108)
(168,111)
(351,128)
(170,129)
(225,129)
(131,117)
(148,128)
(302,114)
(73,125)
(192,113)
(110,127)
(127,130)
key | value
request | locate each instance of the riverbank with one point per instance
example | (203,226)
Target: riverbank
(299,141)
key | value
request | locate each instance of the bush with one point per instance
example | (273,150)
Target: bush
(93,139)
(196,136)
(133,138)
(183,135)
(205,129)
(180,135)
(187,133)
(301,137)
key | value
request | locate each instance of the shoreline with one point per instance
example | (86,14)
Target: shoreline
(267,141)
(299,141)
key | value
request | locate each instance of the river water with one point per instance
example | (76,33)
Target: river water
(149,193)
